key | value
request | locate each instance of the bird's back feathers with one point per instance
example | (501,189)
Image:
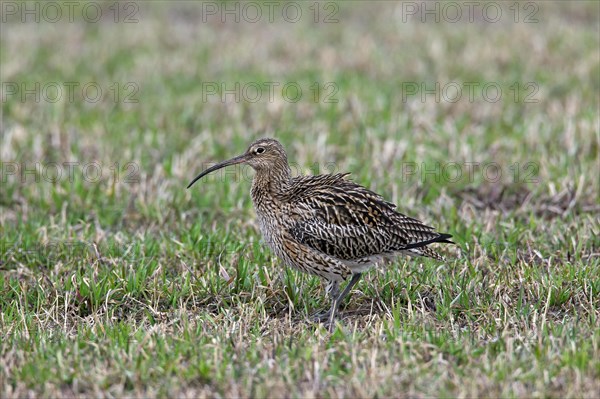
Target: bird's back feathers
(347,221)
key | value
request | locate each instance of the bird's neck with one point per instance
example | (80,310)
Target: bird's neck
(271,182)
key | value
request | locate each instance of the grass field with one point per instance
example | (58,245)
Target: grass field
(117,281)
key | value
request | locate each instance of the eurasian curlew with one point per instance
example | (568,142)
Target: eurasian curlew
(327,225)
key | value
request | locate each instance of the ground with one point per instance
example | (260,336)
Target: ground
(117,281)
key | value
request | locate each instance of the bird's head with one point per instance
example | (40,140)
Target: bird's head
(264,155)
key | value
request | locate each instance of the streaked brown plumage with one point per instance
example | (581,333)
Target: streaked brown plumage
(327,225)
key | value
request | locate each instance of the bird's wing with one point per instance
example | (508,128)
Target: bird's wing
(342,219)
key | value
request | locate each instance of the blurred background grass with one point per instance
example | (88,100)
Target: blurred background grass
(133,246)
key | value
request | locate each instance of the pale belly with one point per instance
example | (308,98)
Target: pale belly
(362,265)
(270,237)
(273,237)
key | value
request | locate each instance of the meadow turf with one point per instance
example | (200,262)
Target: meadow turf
(117,281)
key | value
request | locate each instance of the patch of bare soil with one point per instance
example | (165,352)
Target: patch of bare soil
(514,197)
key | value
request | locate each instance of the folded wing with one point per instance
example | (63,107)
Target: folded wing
(340,218)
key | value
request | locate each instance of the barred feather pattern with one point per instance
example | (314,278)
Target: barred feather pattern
(327,225)
(332,227)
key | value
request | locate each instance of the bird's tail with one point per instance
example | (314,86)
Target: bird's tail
(422,249)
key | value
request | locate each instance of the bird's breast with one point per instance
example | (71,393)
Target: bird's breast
(274,221)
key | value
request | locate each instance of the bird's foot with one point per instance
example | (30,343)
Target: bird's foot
(324,317)
(321,317)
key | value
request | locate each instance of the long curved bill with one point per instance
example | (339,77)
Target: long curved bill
(232,161)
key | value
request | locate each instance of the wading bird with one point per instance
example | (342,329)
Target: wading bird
(327,225)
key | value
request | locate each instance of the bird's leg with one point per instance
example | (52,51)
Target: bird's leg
(352,283)
(338,300)
(333,290)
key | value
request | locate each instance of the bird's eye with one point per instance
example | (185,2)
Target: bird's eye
(260,150)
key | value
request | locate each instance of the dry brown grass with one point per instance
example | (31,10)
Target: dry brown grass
(139,288)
